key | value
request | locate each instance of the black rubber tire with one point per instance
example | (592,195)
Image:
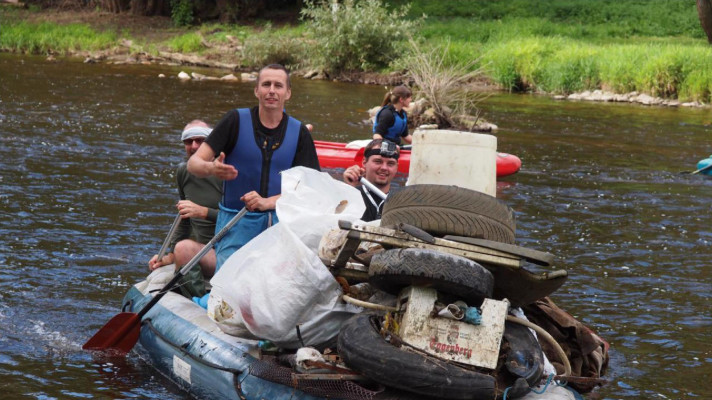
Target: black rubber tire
(450,210)
(525,358)
(363,349)
(395,269)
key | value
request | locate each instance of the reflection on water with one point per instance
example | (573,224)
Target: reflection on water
(88,153)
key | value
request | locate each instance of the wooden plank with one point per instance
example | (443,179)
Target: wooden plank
(445,246)
(437,241)
(347,250)
(534,256)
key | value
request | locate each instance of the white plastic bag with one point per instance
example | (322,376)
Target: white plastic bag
(313,202)
(277,282)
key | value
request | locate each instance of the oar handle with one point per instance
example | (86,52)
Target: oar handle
(702,169)
(171,231)
(193,261)
(372,188)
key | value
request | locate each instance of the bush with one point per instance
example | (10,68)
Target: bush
(182,12)
(443,83)
(352,35)
(271,46)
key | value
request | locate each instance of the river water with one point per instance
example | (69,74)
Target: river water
(87,193)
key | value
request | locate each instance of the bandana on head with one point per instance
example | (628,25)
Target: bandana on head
(377,152)
(195,131)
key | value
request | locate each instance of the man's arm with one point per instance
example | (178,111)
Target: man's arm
(203,164)
(254,202)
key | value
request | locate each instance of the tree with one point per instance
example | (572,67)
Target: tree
(150,7)
(704,10)
(114,6)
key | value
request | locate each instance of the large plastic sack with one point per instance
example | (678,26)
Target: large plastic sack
(277,282)
(313,202)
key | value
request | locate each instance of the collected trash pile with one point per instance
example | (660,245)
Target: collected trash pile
(432,300)
(466,319)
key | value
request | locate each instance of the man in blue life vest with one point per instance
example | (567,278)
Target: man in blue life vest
(380,165)
(247,150)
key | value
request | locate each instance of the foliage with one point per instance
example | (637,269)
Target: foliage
(442,83)
(565,66)
(220,32)
(581,17)
(355,35)
(270,46)
(191,42)
(48,38)
(182,12)
(570,69)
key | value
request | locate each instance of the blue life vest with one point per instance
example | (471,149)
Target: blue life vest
(247,157)
(396,130)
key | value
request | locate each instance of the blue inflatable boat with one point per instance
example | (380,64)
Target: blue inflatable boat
(704,167)
(179,339)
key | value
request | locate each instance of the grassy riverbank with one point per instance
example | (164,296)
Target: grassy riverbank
(557,46)
(654,46)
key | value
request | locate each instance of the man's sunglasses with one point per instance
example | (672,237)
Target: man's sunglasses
(189,142)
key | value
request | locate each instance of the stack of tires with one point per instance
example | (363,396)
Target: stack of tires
(440,211)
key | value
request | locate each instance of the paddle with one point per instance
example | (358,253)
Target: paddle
(372,188)
(121,333)
(171,231)
(698,171)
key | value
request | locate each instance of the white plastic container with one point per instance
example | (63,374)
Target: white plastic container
(464,159)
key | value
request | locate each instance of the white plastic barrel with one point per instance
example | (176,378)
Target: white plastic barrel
(446,157)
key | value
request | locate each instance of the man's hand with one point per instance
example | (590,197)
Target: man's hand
(188,209)
(221,170)
(254,202)
(352,175)
(155,263)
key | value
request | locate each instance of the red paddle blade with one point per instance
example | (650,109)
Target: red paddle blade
(119,335)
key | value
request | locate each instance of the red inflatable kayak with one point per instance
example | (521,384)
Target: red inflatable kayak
(337,155)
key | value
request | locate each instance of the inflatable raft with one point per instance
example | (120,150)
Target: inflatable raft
(182,343)
(342,155)
(704,167)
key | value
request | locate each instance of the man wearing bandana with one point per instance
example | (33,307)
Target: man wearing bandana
(380,165)
(198,208)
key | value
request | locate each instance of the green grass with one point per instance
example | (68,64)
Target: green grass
(46,37)
(562,65)
(621,18)
(191,42)
(563,46)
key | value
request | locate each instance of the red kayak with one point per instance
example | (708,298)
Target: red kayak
(337,155)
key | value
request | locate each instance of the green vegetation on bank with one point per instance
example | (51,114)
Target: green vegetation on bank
(47,37)
(557,46)
(564,46)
